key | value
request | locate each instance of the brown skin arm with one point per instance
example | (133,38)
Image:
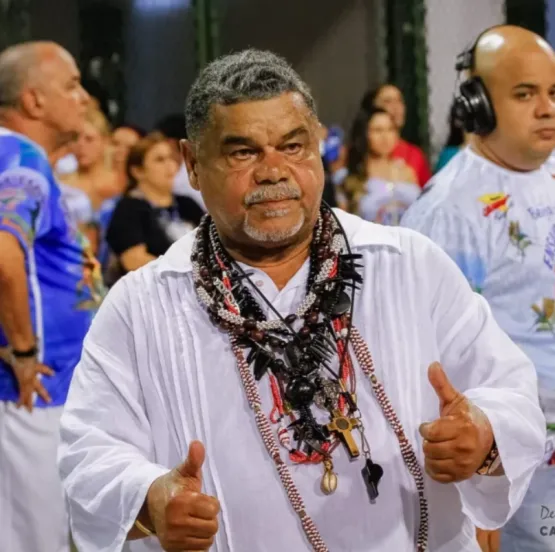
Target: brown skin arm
(15,319)
(135,257)
(15,316)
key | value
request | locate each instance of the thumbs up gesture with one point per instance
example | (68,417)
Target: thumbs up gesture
(458,442)
(182,517)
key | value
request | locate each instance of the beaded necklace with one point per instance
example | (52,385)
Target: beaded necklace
(298,363)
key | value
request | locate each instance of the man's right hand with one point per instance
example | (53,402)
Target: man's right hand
(26,371)
(182,517)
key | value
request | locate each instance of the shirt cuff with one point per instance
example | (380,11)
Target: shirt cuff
(142,482)
(489,501)
(107,537)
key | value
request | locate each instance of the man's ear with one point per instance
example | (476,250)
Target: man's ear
(32,102)
(189,154)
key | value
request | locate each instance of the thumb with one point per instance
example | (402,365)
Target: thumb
(191,469)
(441,384)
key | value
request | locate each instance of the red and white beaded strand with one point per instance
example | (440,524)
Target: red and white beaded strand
(364,357)
(269,440)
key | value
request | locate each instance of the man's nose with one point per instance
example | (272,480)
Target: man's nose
(271,169)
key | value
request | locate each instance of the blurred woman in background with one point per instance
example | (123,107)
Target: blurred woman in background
(379,188)
(92,190)
(389,97)
(95,175)
(149,218)
(123,139)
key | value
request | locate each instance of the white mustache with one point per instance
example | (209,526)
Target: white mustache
(277,192)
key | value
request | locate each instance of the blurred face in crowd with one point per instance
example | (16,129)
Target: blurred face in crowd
(90,149)
(159,168)
(520,78)
(123,139)
(58,98)
(382,135)
(259,169)
(391,99)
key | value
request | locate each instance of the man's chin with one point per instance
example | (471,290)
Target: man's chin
(274,232)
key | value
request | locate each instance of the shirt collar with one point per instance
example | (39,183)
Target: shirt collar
(360,233)
(494,167)
(8,132)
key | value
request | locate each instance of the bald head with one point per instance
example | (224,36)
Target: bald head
(23,65)
(507,48)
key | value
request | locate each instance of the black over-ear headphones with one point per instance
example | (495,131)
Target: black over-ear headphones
(473,105)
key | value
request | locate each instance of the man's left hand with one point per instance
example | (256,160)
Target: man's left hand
(458,442)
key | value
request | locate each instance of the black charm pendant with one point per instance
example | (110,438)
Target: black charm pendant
(300,392)
(372,473)
(293,354)
(343,304)
(262,362)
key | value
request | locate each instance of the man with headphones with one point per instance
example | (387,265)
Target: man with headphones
(46,304)
(492,209)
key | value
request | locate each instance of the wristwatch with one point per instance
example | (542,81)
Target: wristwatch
(491,463)
(28,353)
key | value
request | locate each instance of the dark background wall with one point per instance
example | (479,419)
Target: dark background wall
(332,44)
(56,20)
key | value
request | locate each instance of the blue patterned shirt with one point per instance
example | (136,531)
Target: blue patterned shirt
(65,286)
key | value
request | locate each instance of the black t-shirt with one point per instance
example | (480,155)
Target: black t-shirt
(135,221)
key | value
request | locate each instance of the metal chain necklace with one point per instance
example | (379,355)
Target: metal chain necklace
(298,363)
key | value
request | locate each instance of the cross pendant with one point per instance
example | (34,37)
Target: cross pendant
(343,426)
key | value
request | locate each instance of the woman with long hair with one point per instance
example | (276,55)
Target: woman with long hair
(95,175)
(149,218)
(378,187)
(91,190)
(389,97)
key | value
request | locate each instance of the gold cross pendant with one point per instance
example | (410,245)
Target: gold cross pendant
(343,426)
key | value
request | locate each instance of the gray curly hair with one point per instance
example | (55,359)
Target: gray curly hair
(241,77)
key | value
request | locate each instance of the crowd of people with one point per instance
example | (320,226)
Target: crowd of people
(290,304)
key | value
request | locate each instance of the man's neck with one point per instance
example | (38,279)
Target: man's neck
(482,148)
(36,131)
(280,264)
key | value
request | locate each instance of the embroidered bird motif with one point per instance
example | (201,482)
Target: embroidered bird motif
(545,321)
(518,238)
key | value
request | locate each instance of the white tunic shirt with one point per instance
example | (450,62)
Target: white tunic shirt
(156,374)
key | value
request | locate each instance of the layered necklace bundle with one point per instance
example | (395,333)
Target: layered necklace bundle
(296,354)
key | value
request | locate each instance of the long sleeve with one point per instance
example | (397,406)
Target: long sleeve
(484,364)
(105,458)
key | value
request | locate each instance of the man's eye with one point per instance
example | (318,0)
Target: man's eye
(242,154)
(292,148)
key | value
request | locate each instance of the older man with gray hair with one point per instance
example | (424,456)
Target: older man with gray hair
(46,296)
(274,381)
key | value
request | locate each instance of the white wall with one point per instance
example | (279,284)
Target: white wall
(451,26)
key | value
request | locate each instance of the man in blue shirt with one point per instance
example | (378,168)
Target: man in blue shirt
(492,209)
(49,289)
